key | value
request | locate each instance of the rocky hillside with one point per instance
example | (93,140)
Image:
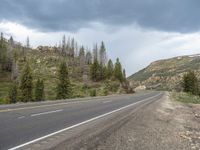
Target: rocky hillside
(166,74)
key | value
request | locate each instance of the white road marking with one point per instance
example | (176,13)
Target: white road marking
(21,117)
(45,113)
(107,102)
(84,122)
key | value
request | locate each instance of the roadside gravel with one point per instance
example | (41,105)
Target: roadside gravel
(162,125)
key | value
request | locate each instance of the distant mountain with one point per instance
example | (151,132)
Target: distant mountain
(166,74)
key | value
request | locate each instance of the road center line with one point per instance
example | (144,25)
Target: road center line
(45,113)
(84,122)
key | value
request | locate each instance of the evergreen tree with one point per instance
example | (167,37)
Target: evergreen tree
(124,74)
(110,69)
(63,46)
(39,90)
(82,59)
(95,53)
(3,54)
(11,41)
(72,48)
(190,83)
(64,87)
(94,70)
(102,54)
(9,60)
(82,52)
(15,66)
(27,43)
(88,58)
(118,71)
(26,84)
(13,93)
(102,72)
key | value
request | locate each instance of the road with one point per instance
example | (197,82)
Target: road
(21,125)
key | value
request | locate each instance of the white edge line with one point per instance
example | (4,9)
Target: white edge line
(84,122)
(45,113)
(21,117)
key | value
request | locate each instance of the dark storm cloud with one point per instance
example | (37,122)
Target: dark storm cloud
(54,15)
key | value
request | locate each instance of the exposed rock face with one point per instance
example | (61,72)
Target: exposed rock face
(166,74)
(140,88)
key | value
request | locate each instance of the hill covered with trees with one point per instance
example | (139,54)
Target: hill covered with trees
(67,70)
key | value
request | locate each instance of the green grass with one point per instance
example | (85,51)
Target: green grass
(185,98)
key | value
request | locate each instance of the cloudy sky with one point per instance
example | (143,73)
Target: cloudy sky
(136,31)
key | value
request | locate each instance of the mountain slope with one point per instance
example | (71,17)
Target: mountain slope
(44,62)
(166,74)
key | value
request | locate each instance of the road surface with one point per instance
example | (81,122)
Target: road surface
(24,124)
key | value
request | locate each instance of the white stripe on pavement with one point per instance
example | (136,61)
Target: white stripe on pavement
(45,113)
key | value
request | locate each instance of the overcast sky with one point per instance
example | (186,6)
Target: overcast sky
(136,31)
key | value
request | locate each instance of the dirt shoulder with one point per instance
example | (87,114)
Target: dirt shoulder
(165,124)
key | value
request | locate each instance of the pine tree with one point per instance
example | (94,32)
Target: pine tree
(190,83)
(1,49)
(3,54)
(11,41)
(26,84)
(124,74)
(72,48)
(27,43)
(110,69)
(9,60)
(63,46)
(13,93)
(39,90)
(118,71)
(15,66)
(102,72)
(88,58)
(82,59)
(64,87)
(102,54)
(94,70)
(95,53)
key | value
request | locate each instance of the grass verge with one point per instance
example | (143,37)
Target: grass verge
(185,97)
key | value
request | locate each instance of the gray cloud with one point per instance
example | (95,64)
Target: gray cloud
(62,15)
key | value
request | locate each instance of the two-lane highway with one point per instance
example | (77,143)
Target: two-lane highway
(25,124)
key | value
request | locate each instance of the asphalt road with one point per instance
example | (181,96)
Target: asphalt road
(21,124)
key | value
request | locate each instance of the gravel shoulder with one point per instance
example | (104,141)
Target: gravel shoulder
(165,124)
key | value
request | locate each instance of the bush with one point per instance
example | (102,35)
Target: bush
(39,90)
(13,93)
(185,97)
(93,93)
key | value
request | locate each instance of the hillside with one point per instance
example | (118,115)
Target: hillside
(166,74)
(44,62)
